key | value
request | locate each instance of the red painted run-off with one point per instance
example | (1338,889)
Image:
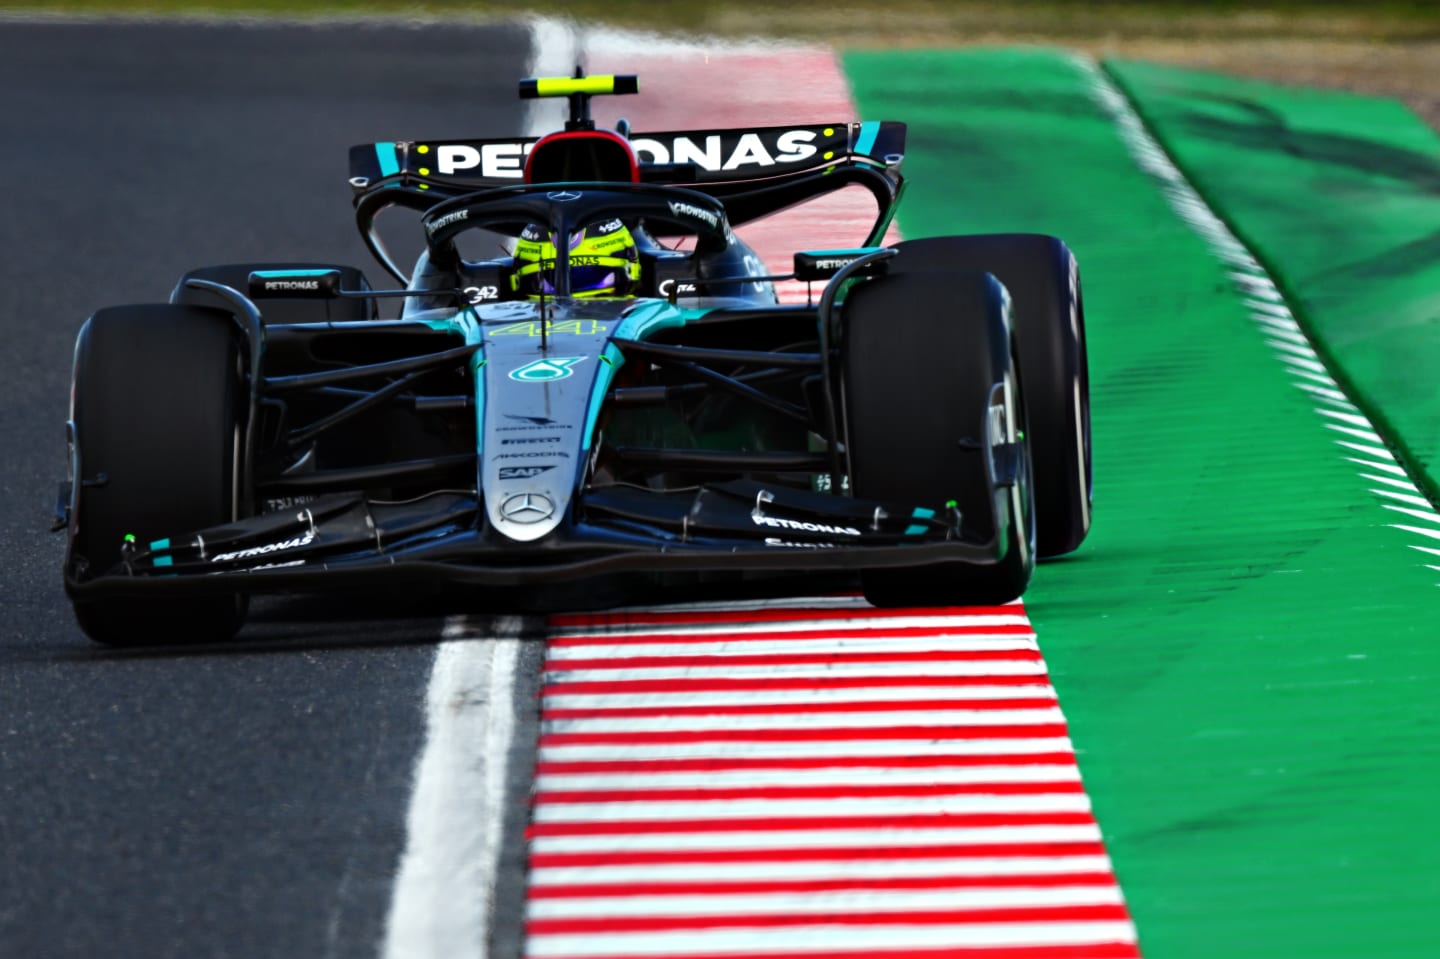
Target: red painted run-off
(814,779)
(686,91)
(847,801)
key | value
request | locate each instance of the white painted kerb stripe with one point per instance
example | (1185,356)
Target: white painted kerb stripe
(555,697)
(857,938)
(961,804)
(739,624)
(722,670)
(843,776)
(738,644)
(851,868)
(844,748)
(837,903)
(879,719)
(858,839)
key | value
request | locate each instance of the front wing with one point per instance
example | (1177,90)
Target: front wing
(343,540)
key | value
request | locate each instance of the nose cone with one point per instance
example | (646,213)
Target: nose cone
(536,412)
(525,517)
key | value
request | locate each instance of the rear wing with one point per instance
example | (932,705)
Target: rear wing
(753,172)
(683,157)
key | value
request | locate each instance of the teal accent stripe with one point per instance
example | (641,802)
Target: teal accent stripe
(164,561)
(278,274)
(869,130)
(916,529)
(613,360)
(856,251)
(385,154)
(160,544)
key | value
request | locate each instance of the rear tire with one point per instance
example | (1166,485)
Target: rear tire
(1049,315)
(157,408)
(924,358)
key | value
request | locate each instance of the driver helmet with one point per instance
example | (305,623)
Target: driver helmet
(603,262)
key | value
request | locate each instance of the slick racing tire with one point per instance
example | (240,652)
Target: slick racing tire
(1043,279)
(930,378)
(157,405)
(281,309)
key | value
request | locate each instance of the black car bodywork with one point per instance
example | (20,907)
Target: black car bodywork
(480,436)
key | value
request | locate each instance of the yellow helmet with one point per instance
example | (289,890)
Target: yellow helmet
(603,262)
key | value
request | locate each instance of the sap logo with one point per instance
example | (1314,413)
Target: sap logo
(523,472)
(503,160)
(792,146)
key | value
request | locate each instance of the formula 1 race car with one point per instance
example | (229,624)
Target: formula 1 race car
(620,396)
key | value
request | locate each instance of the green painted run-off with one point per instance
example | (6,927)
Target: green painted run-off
(1246,650)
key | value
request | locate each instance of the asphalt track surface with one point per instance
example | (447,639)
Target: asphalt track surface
(247,800)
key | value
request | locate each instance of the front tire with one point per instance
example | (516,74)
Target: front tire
(1043,279)
(931,392)
(157,414)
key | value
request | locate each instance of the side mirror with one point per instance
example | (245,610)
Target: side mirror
(295,284)
(823,264)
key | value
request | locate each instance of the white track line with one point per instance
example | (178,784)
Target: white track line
(441,902)
(444,891)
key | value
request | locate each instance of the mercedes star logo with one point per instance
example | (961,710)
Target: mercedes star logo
(527,508)
(563,195)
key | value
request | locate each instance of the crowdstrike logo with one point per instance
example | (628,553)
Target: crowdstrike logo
(447,219)
(680,208)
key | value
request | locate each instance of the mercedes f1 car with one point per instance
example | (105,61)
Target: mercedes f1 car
(620,395)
